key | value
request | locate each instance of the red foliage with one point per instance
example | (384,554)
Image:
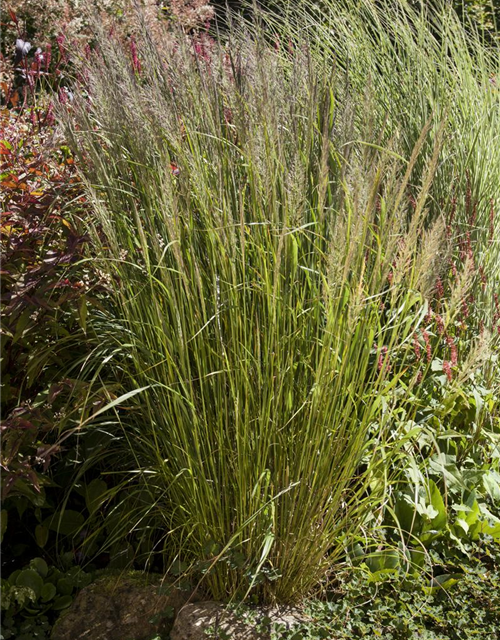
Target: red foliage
(42,292)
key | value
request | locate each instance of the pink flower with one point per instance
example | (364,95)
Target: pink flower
(447,370)
(48,56)
(465,308)
(439,288)
(474,215)
(440,324)
(382,359)
(428,349)
(483,277)
(453,351)
(453,268)
(416,347)
(468,243)
(60,39)
(496,315)
(50,118)
(38,61)
(452,210)
(136,63)
(63,96)
(468,194)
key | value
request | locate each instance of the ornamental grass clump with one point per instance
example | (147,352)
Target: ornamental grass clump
(267,241)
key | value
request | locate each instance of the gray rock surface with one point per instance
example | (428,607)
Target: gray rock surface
(129,606)
(212,620)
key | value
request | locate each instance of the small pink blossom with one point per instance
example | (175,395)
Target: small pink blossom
(428,348)
(48,56)
(382,360)
(452,210)
(136,63)
(60,39)
(453,351)
(453,268)
(465,308)
(440,324)
(439,288)
(447,370)
(416,347)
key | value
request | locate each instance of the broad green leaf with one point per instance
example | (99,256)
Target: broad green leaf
(473,515)
(492,530)
(48,592)
(428,512)
(382,561)
(66,522)
(65,586)
(13,576)
(491,481)
(41,535)
(406,515)
(439,519)
(40,566)
(62,603)
(95,494)
(460,522)
(31,579)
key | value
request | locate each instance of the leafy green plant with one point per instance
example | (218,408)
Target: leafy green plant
(407,607)
(32,597)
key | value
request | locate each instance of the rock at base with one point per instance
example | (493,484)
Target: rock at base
(212,620)
(130,606)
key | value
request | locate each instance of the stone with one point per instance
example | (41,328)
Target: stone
(124,606)
(206,620)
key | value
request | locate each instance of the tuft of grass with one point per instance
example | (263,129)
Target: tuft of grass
(268,222)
